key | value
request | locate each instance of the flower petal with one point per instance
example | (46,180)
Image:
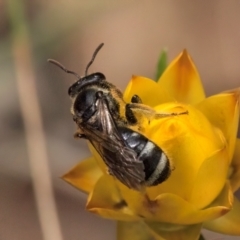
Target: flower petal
(175,232)
(210,179)
(187,146)
(148,90)
(133,231)
(181,80)
(222,110)
(84,175)
(105,200)
(227,224)
(170,208)
(235,176)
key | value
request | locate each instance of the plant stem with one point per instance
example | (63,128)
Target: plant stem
(31,113)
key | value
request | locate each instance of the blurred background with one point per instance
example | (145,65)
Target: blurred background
(134,33)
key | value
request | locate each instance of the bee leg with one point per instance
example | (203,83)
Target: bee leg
(142,109)
(136,99)
(151,113)
(99,94)
(162,115)
(130,115)
(80,135)
(75,119)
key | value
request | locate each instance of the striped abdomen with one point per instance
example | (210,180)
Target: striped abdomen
(156,164)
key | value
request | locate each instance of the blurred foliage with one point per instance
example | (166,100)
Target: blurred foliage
(162,64)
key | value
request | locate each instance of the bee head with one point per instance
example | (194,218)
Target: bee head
(82,81)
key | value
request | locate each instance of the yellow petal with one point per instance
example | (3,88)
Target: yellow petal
(181,80)
(148,90)
(175,232)
(170,208)
(106,201)
(186,145)
(132,231)
(222,110)
(84,175)
(210,179)
(227,224)
(235,175)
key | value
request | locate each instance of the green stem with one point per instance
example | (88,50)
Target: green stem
(32,118)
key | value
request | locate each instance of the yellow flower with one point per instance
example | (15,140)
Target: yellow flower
(204,153)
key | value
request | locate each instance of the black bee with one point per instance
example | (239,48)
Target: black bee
(108,122)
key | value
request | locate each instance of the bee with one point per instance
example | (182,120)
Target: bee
(109,123)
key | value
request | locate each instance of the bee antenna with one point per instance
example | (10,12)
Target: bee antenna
(93,57)
(63,68)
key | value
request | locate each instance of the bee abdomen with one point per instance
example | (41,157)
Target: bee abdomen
(156,164)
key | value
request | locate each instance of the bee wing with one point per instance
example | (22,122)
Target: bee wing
(121,160)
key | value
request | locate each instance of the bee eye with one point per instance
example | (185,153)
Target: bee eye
(84,105)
